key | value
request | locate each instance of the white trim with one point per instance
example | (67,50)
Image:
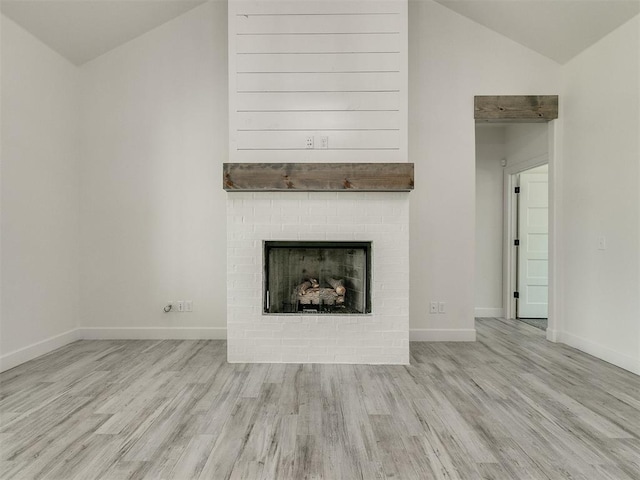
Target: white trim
(552,335)
(508,257)
(600,351)
(23,355)
(525,165)
(442,335)
(481,312)
(154,333)
(35,350)
(555,230)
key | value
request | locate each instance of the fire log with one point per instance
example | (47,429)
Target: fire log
(338,285)
(303,287)
(314,296)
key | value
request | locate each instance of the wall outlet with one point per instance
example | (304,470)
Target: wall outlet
(324,143)
(602,243)
(308,143)
(441,307)
(433,307)
(188,306)
(180,305)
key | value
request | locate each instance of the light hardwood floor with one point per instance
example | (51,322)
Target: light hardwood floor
(510,406)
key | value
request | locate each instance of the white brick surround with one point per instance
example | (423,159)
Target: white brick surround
(379,338)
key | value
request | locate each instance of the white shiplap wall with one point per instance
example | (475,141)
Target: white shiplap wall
(318,68)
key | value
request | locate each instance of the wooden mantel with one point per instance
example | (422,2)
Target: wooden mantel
(516,108)
(318,177)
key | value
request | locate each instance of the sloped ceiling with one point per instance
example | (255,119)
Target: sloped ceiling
(557,29)
(82,30)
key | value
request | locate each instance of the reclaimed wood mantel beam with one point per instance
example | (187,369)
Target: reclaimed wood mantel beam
(516,108)
(318,177)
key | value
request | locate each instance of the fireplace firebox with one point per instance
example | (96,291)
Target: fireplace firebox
(317,277)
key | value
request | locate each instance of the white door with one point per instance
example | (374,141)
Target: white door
(533,253)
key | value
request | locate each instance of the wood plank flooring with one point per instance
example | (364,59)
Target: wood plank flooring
(510,406)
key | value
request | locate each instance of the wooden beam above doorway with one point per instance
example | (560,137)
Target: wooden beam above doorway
(515,108)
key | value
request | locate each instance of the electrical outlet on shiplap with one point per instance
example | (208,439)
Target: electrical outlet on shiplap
(314,68)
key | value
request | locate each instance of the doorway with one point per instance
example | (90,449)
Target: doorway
(516,112)
(527,229)
(508,156)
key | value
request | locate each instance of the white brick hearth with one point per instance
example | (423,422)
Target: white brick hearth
(381,337)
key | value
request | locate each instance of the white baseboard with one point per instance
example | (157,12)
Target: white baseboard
(442,335)
(489,312)
(22,355)
(154,333)
(600,351)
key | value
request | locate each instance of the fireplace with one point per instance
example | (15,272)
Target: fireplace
(358,238)
(316,277)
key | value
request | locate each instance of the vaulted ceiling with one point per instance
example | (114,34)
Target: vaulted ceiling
(557,29)
(82,30)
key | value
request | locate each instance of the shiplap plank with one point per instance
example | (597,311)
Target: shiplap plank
(318,43)
(319,101)
(312,82)
(316,120)
(338,140)
(315,156)
(246,8)
(350,62)
(279,24)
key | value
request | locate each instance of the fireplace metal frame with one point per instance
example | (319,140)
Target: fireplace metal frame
(367,246)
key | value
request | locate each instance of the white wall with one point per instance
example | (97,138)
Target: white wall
(526,141)
(151,193)
(600,185)
(39,198)
(155,134)
(490,151)
(451,59)
(150,220)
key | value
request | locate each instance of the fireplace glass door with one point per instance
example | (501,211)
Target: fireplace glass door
(317,277)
